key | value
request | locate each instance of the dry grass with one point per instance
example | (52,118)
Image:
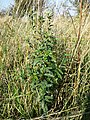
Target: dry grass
(17,43)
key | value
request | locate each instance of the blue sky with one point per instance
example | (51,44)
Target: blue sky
(5,3)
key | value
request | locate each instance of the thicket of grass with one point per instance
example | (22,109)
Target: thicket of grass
(44,74)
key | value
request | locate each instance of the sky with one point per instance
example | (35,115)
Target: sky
(4,4)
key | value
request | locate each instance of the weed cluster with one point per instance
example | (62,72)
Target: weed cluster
(43,73)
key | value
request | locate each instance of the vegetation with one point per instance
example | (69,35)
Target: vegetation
(28,7)
(45,66)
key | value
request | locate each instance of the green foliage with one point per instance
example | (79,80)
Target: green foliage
(38,75)
(29,89)
(46,75)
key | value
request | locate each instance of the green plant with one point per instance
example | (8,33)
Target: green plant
(46,75)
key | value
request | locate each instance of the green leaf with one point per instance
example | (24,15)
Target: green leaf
(60,71)
(49,75)
(38,60)
(48,98)
(58,74)
(49,85)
